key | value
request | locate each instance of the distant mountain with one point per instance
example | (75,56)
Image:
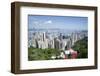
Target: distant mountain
(43,29)
(55,30)
(40,29)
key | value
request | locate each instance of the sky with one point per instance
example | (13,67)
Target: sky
(59,22)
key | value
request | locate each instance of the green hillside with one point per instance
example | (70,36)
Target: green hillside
(82,47)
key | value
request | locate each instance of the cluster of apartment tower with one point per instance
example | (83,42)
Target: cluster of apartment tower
(45,40)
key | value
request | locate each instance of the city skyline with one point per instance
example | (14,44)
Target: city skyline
(57,37)
(59,22)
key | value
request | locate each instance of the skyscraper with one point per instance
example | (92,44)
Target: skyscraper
(44,36)
(57,43)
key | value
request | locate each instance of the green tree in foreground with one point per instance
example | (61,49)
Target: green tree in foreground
(42,54)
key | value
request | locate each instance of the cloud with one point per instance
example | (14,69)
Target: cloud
(48,22)
(42,24)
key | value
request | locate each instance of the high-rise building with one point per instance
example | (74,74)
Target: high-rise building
(57,43)
(51,44)
(69,43)
(63,44)
(44,36)
(60,37)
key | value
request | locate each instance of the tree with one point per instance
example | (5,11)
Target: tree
(42,54)
(81,47)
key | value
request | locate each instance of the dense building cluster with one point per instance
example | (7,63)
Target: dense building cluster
(57,41)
